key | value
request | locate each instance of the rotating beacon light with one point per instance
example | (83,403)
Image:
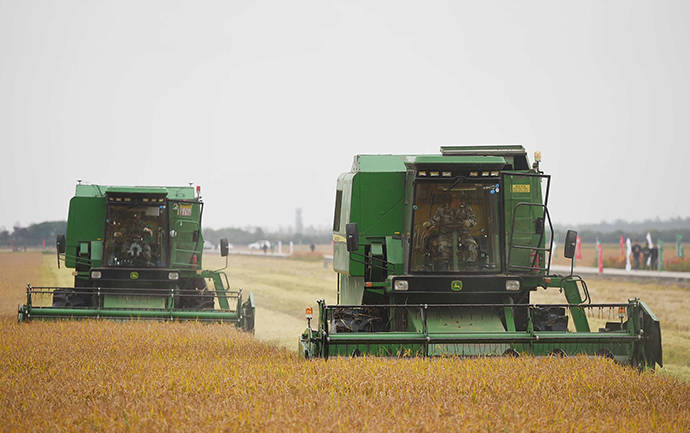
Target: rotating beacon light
(308,314)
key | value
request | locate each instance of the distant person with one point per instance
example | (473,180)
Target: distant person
(636,250)
(312,247)
(645,256)
(265,248)
(654,257)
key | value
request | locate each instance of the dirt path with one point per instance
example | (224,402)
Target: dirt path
(282,288)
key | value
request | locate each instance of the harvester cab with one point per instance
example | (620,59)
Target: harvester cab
(137,253)
(439,254)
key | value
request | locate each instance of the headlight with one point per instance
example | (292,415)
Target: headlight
(512,284)
(173,276)
(401,285)
(95,275)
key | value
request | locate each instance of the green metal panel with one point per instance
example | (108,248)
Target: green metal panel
(86,222)
(377,204)
(173,192)
(127,302)
(185,222)
(96,253)
(379,163)
(523,189)
(394,250)
(459,319)
(475,161)
(375,201)
(572,295)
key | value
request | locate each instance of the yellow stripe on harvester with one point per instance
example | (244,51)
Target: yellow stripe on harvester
(339,238)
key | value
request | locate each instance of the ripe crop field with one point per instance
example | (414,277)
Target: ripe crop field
(82,376)
(155,376)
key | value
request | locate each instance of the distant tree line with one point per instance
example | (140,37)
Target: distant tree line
(248,235)
(33,235)
(611,232)
(614,237)
(649,225)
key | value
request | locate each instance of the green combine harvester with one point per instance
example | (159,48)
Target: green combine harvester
(437,255)
(136,254)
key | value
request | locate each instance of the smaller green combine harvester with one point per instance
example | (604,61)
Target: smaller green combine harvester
(438,255)
(137,254)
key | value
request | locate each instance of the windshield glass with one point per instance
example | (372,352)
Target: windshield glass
(455,228)
(135,236)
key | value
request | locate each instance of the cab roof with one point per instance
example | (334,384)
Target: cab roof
(172,192)
(511,156)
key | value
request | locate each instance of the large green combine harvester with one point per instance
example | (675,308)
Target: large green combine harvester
(137,254)
(438,255)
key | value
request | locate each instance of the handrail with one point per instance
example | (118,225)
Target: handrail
(421,334)
(547,268)
(228,294)
(600,305)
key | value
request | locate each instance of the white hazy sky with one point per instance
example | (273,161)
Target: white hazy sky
(264,103)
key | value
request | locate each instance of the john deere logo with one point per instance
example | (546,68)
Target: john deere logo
(134,275)
(456,285)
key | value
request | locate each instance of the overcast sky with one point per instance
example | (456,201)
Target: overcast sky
(264,103)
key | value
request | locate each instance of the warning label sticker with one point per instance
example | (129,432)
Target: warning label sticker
(185,210)
(521,188)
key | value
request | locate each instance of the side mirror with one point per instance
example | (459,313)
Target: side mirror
(570,242)
(223,247)
(60,244)
(352,237)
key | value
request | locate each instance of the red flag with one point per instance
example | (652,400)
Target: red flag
(622,246)
(578,248)
(601,259)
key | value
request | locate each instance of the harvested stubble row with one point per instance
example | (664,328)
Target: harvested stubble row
(144,376)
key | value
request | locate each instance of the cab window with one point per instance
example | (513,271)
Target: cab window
(455,227)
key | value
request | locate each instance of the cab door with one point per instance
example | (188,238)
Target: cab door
(527,222)
(185,234)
